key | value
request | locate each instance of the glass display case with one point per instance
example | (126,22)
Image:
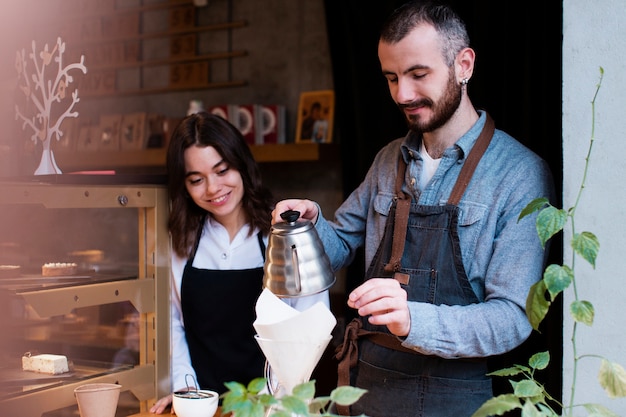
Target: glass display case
(107,312)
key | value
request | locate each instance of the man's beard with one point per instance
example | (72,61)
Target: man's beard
(442,110)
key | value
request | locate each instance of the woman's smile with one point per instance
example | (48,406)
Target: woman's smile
(220,200)
(213,184)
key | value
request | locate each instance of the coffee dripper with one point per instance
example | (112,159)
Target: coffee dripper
(296,265)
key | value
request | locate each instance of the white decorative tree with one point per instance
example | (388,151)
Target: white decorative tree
(43,93)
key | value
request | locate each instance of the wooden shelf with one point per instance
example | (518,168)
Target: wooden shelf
(113,43)
(168,61)
(155,158)
(108,11)
(300,152)
(164,34)
(165,90)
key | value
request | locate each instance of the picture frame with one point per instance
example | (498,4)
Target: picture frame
(87,138)
(133,131)
(316,111)
(109,132)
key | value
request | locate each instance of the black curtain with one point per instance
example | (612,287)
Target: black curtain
(517,79)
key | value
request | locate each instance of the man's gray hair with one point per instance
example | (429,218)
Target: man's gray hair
(446,22)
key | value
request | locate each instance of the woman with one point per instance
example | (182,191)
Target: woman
(219,223)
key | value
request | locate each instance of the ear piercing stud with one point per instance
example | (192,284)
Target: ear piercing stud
(464,81)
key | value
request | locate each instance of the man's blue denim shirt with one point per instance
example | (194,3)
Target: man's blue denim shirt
(503,257)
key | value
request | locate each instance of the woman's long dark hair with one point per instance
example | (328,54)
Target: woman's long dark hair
(204,129)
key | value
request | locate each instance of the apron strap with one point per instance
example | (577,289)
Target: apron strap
(472,161)
(261,244)
(192,255)
(403,201)
(348,349)
(401,220)
(348,352)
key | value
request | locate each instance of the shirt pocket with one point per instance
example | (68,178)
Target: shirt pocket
(382,206)
(471,222)
(382,203)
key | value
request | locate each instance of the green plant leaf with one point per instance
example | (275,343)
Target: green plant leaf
(236,388)
(526,388)
(497,406)
(582,311)
(346,395)
(512,371)
(305,391)
(295,405)
(246,401)
(251,401)
(267,399)
(317,405)
(529,410)
(612,378)
(549,222)
(246,409)
(537,305)
(547,411)
(537,399)
(235,397)
(557,278)
(598,410)
(257,385)
(586,245)
(539,360)
(533,206)
(281,413)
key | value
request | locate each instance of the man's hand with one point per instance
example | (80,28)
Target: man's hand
(307,208)
(385,302)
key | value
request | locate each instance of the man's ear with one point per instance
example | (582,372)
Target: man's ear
(465,64)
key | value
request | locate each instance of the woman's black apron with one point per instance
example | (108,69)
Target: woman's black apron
(425,257)
(218,312)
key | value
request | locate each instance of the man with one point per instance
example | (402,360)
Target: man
(448,264)
(314,115)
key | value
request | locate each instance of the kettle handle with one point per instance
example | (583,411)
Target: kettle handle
(294,258)
(290,216)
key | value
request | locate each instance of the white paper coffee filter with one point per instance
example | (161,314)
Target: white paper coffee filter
(278,321)
(292,361)
(270,308)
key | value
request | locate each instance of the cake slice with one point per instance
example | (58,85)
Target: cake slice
(9,271)
(45,364)
(56,269)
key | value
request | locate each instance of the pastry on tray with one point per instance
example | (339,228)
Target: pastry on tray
(45,364)
(9,271)
(56,269)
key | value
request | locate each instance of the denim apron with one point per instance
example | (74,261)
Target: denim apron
(425,257)
(218,312)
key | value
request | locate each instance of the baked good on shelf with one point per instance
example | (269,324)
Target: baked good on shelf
(88,255)
(45,364)
(55,269)
(9,270)
(73,323)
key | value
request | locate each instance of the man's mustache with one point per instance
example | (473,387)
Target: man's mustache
(416,104)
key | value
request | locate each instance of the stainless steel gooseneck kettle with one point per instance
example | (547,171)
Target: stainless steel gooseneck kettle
(296,264)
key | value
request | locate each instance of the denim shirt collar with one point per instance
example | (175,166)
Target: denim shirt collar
(411,143)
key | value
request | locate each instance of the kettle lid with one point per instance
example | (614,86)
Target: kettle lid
(291,225)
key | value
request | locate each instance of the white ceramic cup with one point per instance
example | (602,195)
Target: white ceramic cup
(201,403)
